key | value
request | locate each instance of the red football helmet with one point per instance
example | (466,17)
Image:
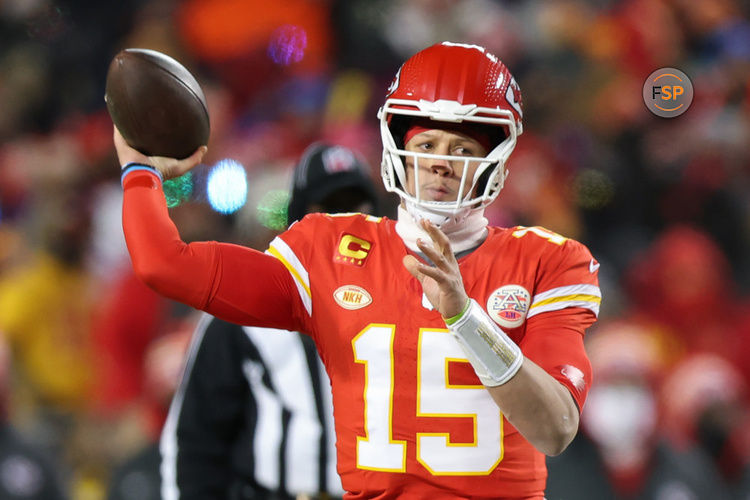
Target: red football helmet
(454,83)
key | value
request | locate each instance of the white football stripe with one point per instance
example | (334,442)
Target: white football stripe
(556,306)
(279,249)
(586,296)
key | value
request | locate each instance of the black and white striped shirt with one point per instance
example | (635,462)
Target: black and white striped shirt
(253,412)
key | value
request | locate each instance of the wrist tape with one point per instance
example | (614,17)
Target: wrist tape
(493,355)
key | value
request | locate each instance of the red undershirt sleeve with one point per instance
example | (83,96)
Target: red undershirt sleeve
(232,282)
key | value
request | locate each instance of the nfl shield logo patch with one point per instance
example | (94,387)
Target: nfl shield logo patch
(508,305)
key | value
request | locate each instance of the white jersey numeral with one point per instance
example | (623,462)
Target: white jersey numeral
(436,397)
(378,450)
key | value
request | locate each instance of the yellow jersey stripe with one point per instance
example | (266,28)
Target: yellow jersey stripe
(280,250)
(291,269)
(580,297)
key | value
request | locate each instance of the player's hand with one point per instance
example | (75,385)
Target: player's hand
(441,283)
(169,168)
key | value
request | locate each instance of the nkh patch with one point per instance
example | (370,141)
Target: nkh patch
(508,305)
(352,297)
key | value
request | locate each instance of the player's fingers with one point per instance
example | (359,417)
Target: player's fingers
(434,254)
(433,272)
(116,135)
(421,271)
(125,153)
(187,164)
(438,237)
(445,261)
(198,155)
(171,167)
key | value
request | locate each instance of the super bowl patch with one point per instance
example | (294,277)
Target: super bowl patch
(508,305)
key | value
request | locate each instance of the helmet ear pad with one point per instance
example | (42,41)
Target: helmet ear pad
(482,181)
(399,125)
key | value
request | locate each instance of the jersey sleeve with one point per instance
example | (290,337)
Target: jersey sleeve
(294,250)
(234,283)
(554,341)
(566,302)
(568,277)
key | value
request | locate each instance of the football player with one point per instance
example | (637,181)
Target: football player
(455,349)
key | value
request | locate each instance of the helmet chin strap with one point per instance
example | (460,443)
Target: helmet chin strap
(465,229)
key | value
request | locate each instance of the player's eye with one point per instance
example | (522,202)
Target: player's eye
(463,151)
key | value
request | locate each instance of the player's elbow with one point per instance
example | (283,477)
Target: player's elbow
(176,274)
(560,434)
(148,272)
(154,273)
(558,444)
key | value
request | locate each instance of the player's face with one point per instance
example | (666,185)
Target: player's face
(440,179)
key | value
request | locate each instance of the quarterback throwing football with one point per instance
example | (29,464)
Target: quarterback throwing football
(455,349)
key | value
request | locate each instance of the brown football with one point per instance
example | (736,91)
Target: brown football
(156,104)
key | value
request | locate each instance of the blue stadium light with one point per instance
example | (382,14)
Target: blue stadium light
(227,186)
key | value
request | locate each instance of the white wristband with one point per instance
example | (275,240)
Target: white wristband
(494,356)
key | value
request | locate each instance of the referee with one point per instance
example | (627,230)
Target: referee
(253,418)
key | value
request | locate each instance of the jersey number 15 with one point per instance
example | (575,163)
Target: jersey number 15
(436,397)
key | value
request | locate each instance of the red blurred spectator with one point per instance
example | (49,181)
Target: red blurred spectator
(137,477)
(535,196)
(131,317)
(621,418)
(619,454)
(705,401)
(682,283)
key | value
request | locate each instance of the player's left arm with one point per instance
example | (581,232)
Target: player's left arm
(543,399)
(539,405)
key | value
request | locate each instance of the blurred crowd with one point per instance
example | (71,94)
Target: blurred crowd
(663,204)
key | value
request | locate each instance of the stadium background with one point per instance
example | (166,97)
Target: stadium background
(664,204)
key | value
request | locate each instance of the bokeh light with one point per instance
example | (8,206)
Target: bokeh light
(273,209)
(178,190)
(227,186)
(594,189)
(287,45)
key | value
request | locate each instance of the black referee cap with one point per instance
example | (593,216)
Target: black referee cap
(323,170)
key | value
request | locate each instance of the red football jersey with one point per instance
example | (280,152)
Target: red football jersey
(412,418)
